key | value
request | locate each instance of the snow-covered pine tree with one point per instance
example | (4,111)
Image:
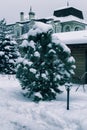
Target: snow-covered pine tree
(2,29)
(8,56)
(8,51)
(45,63)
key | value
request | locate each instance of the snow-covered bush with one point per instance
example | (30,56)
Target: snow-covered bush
(45,63)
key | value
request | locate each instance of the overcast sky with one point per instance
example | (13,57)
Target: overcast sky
(10,9)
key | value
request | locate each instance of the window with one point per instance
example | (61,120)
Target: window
(18,33)
(25,29)
(77,28)
(67,29)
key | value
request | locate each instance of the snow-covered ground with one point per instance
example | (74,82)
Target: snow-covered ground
(19,113)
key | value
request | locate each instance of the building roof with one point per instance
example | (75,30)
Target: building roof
(74,37)
(68,11)
(69,18)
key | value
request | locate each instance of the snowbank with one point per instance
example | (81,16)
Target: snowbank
(19,113)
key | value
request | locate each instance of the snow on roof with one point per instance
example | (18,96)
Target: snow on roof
(68,18)
(64,7)
(74,37)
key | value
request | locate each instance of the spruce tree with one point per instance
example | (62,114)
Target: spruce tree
(8,51)
(8,56)
(44,65)
(2,29)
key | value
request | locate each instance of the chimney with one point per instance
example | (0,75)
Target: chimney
(21,16)
(31,14)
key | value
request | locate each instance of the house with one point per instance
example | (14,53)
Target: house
(71,19)
(77,42)
(63,20)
